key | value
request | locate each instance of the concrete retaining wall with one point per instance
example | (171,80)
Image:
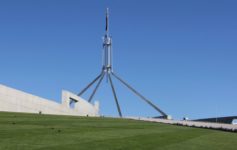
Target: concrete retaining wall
(219,126)
(12,100)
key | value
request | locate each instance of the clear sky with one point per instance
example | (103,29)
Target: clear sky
(180,54)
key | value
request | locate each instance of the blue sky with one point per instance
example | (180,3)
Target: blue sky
(180,54)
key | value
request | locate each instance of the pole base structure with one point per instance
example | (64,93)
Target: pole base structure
(109,74)
(100,78)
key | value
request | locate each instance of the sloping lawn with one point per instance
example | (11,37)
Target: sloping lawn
(32,131)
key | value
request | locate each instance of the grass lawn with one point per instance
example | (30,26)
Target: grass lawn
(32,131)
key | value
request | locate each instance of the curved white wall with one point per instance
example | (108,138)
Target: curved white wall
(13,100)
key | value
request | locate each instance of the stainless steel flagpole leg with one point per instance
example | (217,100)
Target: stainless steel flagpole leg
(89,85)
(115,96)
(139,95)
(92,95)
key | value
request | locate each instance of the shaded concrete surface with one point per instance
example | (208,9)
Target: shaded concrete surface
(228,119)
(219,126)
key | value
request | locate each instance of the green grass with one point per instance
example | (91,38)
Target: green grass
(28,132)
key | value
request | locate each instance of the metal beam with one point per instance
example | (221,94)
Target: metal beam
(89,85)
(139,95)
(115,96)
(92,95)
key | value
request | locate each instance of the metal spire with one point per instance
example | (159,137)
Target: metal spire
(107,21)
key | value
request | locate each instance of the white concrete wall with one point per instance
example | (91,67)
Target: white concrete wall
(210,125)
(13,100)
